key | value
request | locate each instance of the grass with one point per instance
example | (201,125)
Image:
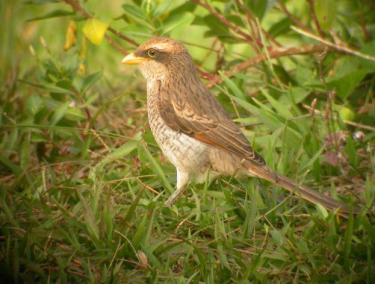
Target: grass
(82,196)
(106,228)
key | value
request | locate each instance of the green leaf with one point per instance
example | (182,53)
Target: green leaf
(369,228)
(49,87)
(222,256)
(258,7)
(33,104)
(120,152)
(345,85)
(40,2)
(75,114)
(251,214)
(280,108)
(54,89)
(129,215)
(90,100)
(53,14)
(163,7)
(325,11)
(89,218)
(322,211)
(137,15)
(277,256)
(134,11)
(279,124)
(232,86)
(278,237)
(368,48)
(370,192)
(280,27)
(268,116)
(9,164)
(59,113)
(90,80)
(139,31)
(217,28)
(154,262)
(295,96)
(156,168)
(177,22)
(305,76)
(25,152)
(348,237)
(313,159)
(141,228)
(149,231)
(347,65)
(38,137)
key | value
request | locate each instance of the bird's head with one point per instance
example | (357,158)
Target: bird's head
(161,57)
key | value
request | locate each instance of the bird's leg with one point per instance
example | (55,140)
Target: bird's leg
(182,182)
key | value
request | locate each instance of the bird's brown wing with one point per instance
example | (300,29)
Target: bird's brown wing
(194,111)
(198,114)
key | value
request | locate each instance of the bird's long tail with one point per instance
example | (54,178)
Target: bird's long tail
(300,190)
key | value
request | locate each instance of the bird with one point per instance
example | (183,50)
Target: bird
(193,129)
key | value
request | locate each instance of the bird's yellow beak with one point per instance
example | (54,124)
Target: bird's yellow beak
(132,59)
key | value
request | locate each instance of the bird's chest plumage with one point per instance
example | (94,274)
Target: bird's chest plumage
(185,153)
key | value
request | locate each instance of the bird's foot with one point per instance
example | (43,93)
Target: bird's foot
(175,195)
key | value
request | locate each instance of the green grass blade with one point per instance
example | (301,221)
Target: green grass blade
(156,168)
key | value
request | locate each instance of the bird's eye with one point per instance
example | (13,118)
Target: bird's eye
(151,52)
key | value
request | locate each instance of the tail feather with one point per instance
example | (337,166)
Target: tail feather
(300,190)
